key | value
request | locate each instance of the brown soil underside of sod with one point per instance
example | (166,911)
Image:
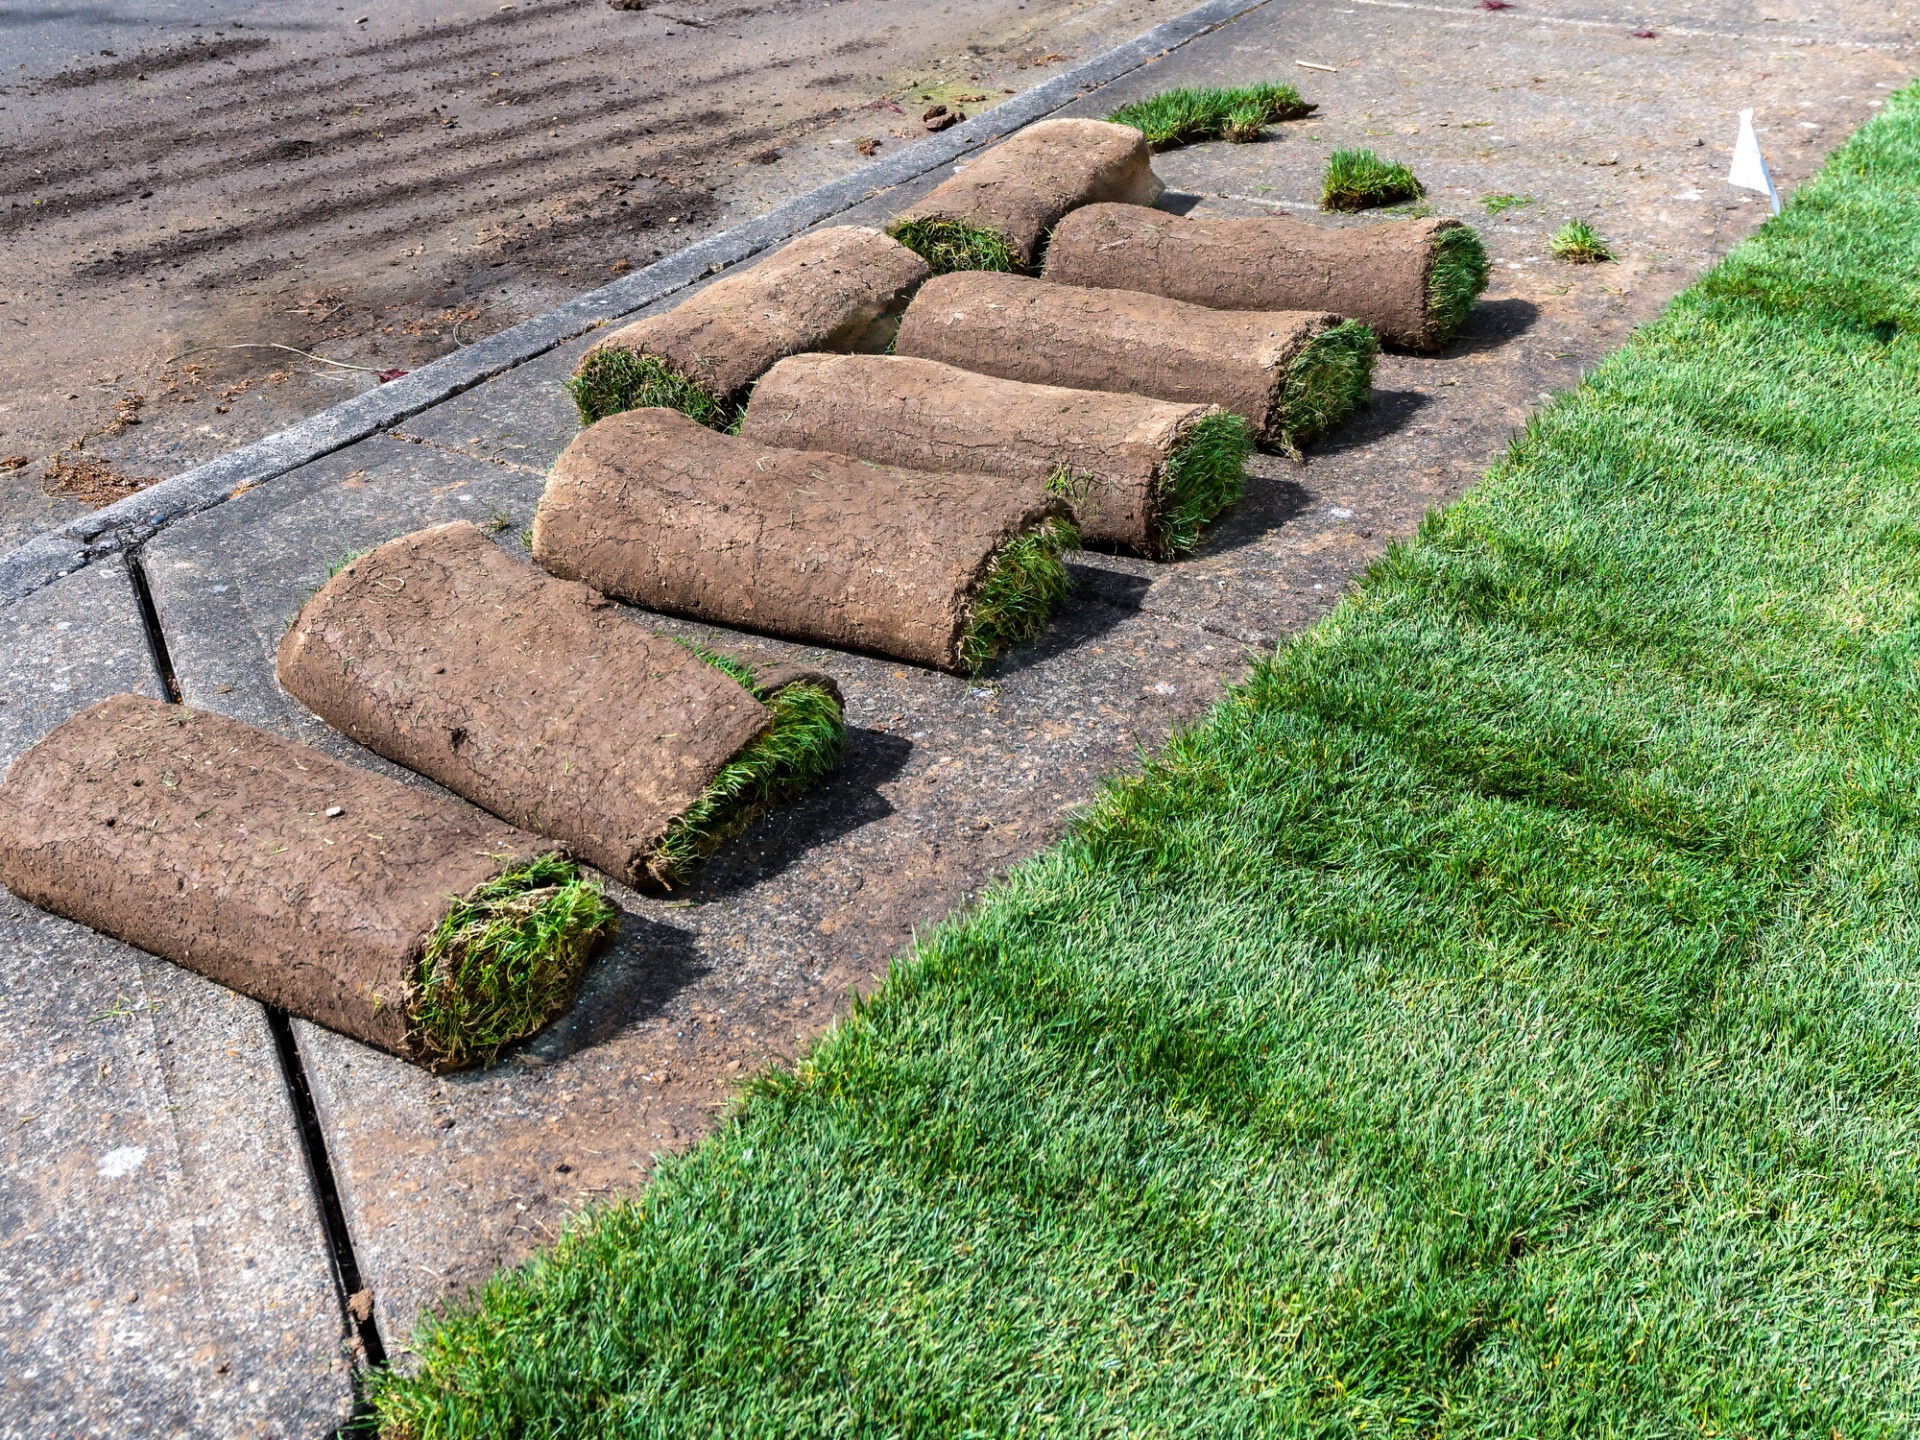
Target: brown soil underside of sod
(836,289)
(1049,334)
(660,511)
(1021,187)
(261,864)
(535,698)
(1376,273)
(898,410)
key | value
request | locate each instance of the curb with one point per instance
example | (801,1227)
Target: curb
(127,523)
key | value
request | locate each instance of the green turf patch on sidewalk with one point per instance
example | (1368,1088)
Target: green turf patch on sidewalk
(1498,1018)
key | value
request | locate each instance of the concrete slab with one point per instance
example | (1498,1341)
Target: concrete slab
(162,1265)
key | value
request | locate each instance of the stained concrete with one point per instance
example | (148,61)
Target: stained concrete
(162,1269)
(946,783)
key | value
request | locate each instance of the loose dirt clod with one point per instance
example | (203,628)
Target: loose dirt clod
(1274,369)
(1018,190)
(391,914)
(1413,281)
(539,701)
(837,289)
(657,510)
(1140,473)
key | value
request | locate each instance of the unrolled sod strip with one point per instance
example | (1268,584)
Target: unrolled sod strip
(938,569)
(405,919)
(1413,281)
(841,288)
(1140,473)
(996,212)
(1288,374)
(537,699)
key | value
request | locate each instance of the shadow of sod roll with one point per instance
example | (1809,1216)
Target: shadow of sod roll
(841,288)
(1413,281)
(399,917)
(996,212)
(1289,374)
(1144,474)
(538,700)
(937,569)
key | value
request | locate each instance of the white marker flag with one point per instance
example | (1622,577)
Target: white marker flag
(1749,167)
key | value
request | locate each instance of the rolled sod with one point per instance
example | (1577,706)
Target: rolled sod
(995,214)
(1413,281)
(938,569)
(836,289)
(538,700)
(1141,473)
(1288,374)
(400,917)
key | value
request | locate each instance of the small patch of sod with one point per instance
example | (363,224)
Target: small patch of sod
(1361,180)
(613,381)
(1500,204)
(1024,581)
(1578,243)
(505,959)
(1329,379)
(1191,114)
(1456,277)
(793,754)
(950,245)
(1205,473)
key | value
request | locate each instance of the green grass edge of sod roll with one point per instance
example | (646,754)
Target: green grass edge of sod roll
(1189,115)
(798,750)
(953,245)
(1494,1018)
(612,381)
(505,959)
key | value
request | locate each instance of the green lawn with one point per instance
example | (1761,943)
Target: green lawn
(1500,1017)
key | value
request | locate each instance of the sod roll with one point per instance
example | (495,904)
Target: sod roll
(1413,281)
(1288,374)
(538,700)
(654,509)
(836,289)
(400,917)
(1140,473)
(996,212)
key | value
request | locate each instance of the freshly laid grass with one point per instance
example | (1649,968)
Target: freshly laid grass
(613,381)
(1496,1019)
(1024,581)
(1457,278)
(798,750)
(1578,243)
(950,245)
(1329,379)
(1361,180)
(505,959)
(1204,474)
(1189,115)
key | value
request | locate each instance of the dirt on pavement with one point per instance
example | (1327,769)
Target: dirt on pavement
(377,193)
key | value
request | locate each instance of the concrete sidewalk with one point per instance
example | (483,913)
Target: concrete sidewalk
(208,1216)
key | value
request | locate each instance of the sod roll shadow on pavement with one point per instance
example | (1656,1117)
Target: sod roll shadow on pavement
(394,915)
(841,288)
(538,700)
(1413,281)
(1289,374)
(1140,473)
(996,212)
(938,569)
